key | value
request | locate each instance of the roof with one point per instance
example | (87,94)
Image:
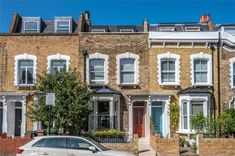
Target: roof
(105,90)
(193,90)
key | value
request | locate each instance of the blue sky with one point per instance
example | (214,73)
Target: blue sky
(120,12)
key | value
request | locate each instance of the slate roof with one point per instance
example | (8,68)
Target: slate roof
(116,28)
(105,90)
(193,90)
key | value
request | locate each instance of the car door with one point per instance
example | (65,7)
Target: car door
(80,147)
(54,147)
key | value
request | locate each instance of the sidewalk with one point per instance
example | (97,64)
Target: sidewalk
(144,148)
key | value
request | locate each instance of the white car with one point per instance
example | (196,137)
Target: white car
(66,146)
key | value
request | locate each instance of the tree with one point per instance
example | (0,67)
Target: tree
(72,105)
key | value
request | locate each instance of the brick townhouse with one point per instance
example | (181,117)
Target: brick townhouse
(135,72)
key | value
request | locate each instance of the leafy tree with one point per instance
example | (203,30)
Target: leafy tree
(227,121)
(72,105)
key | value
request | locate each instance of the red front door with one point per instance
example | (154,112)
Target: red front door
(139,121)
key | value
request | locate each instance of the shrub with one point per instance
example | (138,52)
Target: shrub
(112,133)
(199,123)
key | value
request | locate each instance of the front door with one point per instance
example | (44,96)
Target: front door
(139,121)
(157,119)
(18,116)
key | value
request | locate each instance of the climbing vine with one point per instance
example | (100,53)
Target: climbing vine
(174,116)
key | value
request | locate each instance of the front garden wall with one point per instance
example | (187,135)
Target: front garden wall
(128,147)
(165,146)
(216,146)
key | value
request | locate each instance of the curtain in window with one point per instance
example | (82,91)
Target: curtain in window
(196,108)
(127,69)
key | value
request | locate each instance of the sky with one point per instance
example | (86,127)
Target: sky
(113,12)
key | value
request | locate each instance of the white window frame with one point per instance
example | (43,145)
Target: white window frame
(63,19)
(96,81)
(136,67)
(98,30)
(57,56)
(224,27)
(171,56)
(97,55)
(232,61)
(201,56)
(205,99)
(18,58)
(32,19)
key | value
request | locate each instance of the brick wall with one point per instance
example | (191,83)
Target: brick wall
(8,146)
(216,146)
(165,146)
(128,147)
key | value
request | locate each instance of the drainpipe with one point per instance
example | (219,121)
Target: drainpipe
(218,69)
(213,79)
(84,52)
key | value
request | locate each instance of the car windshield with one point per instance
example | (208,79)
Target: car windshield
(97,144)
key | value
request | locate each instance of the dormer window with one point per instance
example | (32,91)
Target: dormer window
(230,30)
(31,24)
(126,30)
(167,29)
(63,25)
(98,30)
(192,29)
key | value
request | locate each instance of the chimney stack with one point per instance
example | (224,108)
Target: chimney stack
(146,26)
(207,19)
(87,18)
(15,23)
(81,23)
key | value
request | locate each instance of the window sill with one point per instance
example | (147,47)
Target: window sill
(185,132)
(25,86)
(169,84)
(203,84)
(128,84)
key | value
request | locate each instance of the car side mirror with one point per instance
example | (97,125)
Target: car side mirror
(92,148)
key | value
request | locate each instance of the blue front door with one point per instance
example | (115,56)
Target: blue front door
(157,119)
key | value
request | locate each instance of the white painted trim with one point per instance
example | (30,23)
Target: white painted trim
(57,56)
(127,55)
(24,56)
(97,55)
(202,56)
(32,19)
(126,30)
(169,55)
(231,61)
(205,98)
(187,28)
(63,19)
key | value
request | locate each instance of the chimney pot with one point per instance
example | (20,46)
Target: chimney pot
(145,25)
